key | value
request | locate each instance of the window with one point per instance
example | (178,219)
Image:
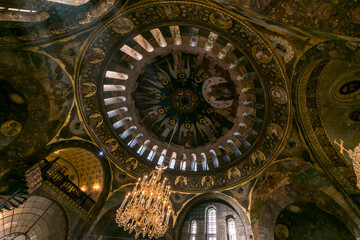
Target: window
(231,229)
(211,224)
(193,226)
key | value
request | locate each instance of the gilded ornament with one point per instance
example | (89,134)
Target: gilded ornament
(112,144)
(220,20)
(278,94)
(207,179)
(89,89)
(275,131)
(258,157)
(259,54)
(95,55)
(96,119)
(348,89)
(122,25)
(132,162)
(181,179)
(168,11)
(10,128)
(233,173)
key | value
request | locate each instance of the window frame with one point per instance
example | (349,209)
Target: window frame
(210,236)
(231,233)
(192,235)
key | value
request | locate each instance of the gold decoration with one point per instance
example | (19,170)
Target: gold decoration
(260,55)
(278,94)
(112,144)
(133,163)
(122,25)
(97,118)
(168,11)
(10,128)
(257,157)
(207,179)
(233,172)
(89,89)
(181,178)
(220,21)
(95,55)
(355,157)
(148,211)
(275,131)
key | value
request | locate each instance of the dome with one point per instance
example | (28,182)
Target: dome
(200,93)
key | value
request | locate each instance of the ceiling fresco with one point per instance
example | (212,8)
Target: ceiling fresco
(268,74)
(316,91)
(336,17)
(189,96)
(52,20)
(244,102)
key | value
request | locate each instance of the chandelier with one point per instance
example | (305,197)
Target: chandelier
(355,157)
(146,210)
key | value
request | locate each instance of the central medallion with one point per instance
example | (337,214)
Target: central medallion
(185,100)
(176,86)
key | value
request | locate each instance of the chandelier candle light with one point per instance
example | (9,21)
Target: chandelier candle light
(147,208)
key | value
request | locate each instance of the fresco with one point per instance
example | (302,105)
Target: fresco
(42,85)
(170,92)
(307,221)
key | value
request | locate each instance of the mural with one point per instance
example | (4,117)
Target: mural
(307,221)
(201,99)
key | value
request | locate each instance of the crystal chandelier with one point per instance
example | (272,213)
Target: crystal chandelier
(355,157)
(147,208)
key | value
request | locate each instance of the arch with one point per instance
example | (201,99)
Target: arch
(292,193)
(215,197)
(307,91)
(38,218)
(82,167)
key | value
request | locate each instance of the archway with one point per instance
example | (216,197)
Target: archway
(228,206)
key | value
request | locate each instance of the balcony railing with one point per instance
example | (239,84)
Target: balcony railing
(52,172)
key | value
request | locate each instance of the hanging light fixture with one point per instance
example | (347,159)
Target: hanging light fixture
(147,209)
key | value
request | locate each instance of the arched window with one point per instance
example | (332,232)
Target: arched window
(211,224)
(172,160)
(193,226)
(231,229)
